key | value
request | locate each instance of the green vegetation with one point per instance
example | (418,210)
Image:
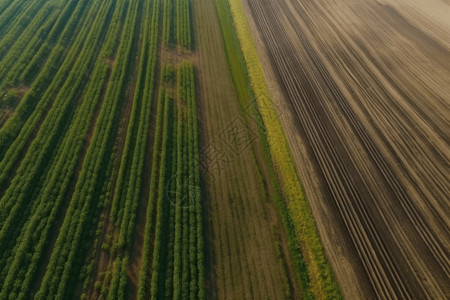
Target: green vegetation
(169,36)
(246,96)
(188,185)
(45,206)
(169,74)
(10,98)
(146,256)
(100,183)
(161,204)
(32,48)
(64,252)
(129,182)
(21,16)
(178,23)
(34,106)
(175,198)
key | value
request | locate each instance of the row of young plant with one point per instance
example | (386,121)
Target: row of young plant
(144,287)
(18,15)
(178,23)
(5,4)
(69,244)
(196,235)
(178,259)
(161,203)
(169,30)
(163,162)
(62,36)
(96,239)
(184,23)
(47,200)
(16,40)
(129,183)
(16,132)
(249,107)
(37,41)
(42,147)
(128,186)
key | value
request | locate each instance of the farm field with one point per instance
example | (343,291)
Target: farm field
(137,159)
(224,149)
(364,92)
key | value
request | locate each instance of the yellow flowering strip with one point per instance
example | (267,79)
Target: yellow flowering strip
(323,282)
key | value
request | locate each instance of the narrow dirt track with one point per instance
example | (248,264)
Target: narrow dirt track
(368,91)
(240,219)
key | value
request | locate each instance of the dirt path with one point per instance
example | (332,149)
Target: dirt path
(372,153)
(239,215)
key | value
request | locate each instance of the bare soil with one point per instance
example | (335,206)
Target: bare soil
(364,93)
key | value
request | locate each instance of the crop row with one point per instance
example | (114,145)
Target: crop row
(184,23)
(157,152)
(14,43)
(5,4)
(178,23)
(3,116)
(17,131)
(174,208)
(69,242)
(40,150)
(168,23)
(318,267)
(46,202)
(160,253)
(158,203)
(194,232)
(60,38)
(52,167)
(129,182)
(132,162)
(188,268)
(30,49)
(171,185)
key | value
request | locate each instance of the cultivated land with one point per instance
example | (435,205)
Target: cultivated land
(135,159)
(364,92)
(142,155)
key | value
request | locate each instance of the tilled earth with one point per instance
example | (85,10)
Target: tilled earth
(364,93)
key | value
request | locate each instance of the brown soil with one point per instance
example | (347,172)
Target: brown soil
(364,90)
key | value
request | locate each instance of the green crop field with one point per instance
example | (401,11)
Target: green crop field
(135,162)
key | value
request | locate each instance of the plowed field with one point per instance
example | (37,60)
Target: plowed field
(364,93)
